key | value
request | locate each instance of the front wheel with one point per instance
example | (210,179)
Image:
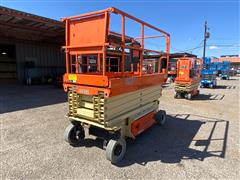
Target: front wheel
(160,117)
(115,150)
(74,134)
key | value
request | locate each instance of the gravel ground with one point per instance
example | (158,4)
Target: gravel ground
(199,140)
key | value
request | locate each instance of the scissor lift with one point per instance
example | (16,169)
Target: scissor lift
(188,77)
(109,91)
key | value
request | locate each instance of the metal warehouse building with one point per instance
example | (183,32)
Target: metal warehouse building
(30,46)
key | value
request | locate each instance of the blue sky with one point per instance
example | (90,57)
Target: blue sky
(184,20)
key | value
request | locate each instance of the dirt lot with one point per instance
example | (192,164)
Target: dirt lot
(199,140)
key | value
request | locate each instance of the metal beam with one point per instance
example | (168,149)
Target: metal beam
(28,16)
(117,11)
(23,27)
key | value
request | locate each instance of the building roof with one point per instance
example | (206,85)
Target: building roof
(235,55)
(230,59)
(22,25)
(178,55)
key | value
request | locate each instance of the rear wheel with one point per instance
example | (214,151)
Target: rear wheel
(197,92)
(160,117)
(177,95)
(116,150)
(74,134)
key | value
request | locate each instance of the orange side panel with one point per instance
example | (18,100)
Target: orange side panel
(124,85)
(85,31)
(91,84)
(83,79)
(87,90)
(183,69)
(142,124)
(86,50)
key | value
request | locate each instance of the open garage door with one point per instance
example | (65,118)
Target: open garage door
(7,64)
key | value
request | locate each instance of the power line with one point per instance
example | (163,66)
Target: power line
(201,46)
(197,47)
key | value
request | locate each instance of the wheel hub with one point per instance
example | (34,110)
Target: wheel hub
(118,150)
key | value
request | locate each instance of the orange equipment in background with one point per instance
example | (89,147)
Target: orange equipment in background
(188,77)
(172,67)
(109,92)
(199,66)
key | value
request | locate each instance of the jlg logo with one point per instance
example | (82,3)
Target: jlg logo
(84,91)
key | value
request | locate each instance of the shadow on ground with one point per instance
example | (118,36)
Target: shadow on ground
(202,97)
(225,87)
(19,97)
(231,79)
(221,87)
(172,142)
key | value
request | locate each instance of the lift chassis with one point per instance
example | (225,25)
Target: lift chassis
(186,90)
(110,95)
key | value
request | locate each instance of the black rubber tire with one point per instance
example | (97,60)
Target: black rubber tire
(198,92)
(177,95)
(115,150)
(160,117)
(74,134)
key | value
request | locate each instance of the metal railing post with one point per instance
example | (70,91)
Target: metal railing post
(123,43)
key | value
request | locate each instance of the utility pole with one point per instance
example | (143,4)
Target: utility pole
(206,35)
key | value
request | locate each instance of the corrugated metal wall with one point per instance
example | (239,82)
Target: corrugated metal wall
(49,58)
